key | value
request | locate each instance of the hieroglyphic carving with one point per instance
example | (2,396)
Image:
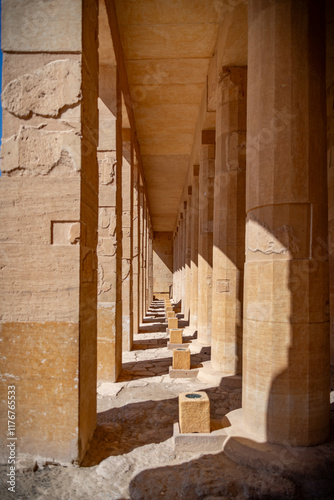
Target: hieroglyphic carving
(223,286)
(261,238)
(35,152)
(46,91)
(102,285)
(107,170)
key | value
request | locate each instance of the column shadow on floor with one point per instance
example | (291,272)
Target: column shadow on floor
(121,430)
(144,369)
(153,328)
(141,345)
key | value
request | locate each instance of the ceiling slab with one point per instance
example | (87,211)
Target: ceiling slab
(167,46)
(167,12)
(167,71)
(160,42)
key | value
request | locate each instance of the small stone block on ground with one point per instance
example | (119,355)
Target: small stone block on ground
(201,442)
(176,336)
(170,314)
(183,373)
(181,359)
(173,323)
(194,412)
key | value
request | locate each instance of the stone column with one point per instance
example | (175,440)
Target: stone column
(181,261)
(144,235)
(147,259)
(187,294)
(135,247)
(49,216)
(127,209)
(109,330)
(286,331)
(205,238)
(184,251)
(229,221)
(194,249)
(174,262)
(150,263)
(141,251)
(177,265)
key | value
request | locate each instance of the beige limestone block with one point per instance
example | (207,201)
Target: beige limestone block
(106,339)
(175,336)
(181,359)
(194,412)
(35,151)
(173,323)
(39,26)
(42,361)
(46,91)
(170,314)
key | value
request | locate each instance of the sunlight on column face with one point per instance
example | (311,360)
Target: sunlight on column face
(263,240)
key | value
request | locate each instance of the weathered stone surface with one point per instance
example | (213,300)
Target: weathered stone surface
(52,26)
(176,336)
(35,151)
(173,323)
(46,92)
(285,395)
(181,359)
(194,412)
(205,238)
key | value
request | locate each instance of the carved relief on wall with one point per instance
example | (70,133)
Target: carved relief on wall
(107,169)
(261,238)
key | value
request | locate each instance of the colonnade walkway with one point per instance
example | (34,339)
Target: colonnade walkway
(133,441)
(132,454)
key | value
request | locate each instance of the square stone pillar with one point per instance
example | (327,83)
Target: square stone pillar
(141,251)
(150,265)
(49,218)
(184,250)
(205,238)
(109,326)
(135,247)
(176,260)
(181,256)
(144,257)
(229,221)
(286,324)
(194,248)
(127,241)
(187,295)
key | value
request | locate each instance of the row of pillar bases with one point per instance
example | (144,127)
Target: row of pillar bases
(196,431)
(258,289)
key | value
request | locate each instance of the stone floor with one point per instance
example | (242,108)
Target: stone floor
(132,456)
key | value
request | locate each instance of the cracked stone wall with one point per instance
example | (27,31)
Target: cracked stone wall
(48,224)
